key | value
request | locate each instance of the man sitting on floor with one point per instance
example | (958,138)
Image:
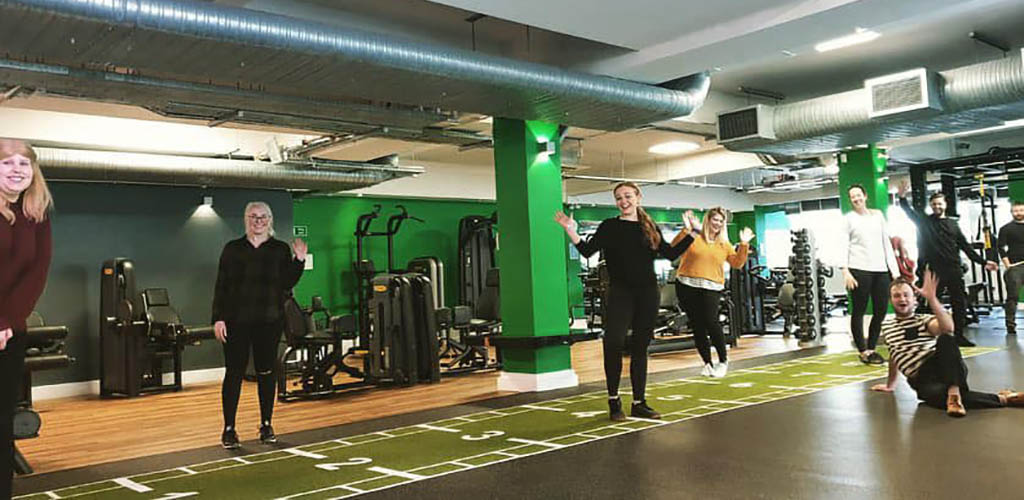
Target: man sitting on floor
(922,348)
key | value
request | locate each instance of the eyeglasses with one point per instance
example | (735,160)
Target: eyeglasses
(259,218)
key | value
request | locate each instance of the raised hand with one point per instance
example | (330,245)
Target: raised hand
(746,234)
(566,221)
(300,248)
(930,286)
(903,189)
(691,220)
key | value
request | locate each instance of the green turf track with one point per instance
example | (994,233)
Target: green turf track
(356,464)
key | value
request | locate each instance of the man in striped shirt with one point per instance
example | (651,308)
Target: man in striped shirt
(922,348)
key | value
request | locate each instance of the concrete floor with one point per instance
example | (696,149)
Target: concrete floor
(846,442)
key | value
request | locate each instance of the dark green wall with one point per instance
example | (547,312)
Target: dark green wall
(172,248)
(331,224)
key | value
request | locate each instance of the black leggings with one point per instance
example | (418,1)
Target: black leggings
(262,338)
(635,308)
(12,365)
(701,307)
(873,285)
(946,368)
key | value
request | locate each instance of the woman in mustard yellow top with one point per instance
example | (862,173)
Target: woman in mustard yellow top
(700,281)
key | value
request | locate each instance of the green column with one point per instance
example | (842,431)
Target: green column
(865,167)
(532,252)
(1016,187)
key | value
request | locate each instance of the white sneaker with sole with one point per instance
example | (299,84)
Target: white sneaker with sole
(721,369)
(707,371)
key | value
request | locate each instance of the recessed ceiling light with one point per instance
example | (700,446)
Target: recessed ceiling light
(673,147)
(859,36)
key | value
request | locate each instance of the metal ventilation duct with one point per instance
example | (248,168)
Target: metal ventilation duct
(140,168)
(204,42)
(973,97)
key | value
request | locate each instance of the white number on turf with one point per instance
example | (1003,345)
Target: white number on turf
(172,496)
(587,414)
(485,435)
(672,397)
(337,466)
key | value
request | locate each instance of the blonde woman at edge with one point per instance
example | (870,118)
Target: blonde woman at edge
(700,281)
(869,267)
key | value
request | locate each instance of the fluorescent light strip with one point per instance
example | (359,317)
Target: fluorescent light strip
(673,148)
(860,36)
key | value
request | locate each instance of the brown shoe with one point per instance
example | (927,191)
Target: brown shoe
(955,408)
(1013,398)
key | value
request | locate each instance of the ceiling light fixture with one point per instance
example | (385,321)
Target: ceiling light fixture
(859,36)
(673,147)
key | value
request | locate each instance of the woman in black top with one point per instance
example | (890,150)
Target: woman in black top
(630,243)
(254,274)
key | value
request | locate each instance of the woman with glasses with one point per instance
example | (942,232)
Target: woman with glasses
(254,274)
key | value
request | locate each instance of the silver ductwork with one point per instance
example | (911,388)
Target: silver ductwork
(205,42)
(141,168)
(972,97)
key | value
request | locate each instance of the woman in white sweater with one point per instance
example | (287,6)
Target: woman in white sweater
(868,269)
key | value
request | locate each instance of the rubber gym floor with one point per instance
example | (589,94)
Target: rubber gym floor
(796,425)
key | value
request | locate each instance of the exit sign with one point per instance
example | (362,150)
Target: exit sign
(300,231)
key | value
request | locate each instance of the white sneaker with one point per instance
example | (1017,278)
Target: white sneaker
(721,369)
(707,371)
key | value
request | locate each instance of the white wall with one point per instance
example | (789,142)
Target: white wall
(441,180)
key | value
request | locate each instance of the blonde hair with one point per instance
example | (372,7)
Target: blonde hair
(723,235)
(36,199)
(651,232)
(264,206)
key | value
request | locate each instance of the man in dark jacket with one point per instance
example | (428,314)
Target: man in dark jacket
(940,244)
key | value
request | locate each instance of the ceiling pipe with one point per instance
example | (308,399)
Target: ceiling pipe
(143,168)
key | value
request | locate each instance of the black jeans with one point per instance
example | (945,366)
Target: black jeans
(873,285)
(946,368)
(952,280)
(1014,278)
(12,366)
(701,307)
(636,309)
(262,339)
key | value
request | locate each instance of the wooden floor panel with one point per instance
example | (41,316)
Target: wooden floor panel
(87,430)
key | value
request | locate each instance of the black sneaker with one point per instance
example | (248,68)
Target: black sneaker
(641,410)
(229,440)
(267,435)
(875,359)
(864,359)
(615,410)
(963,342)
(1011,330)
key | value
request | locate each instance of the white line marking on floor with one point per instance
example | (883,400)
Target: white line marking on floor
(460,464)
(382,433)
(545,408)
(648,420)
(439,429)
(464,419)
(502,453)
(396,473)
(536,443)
(132,485)
(342,441)
(588,436)
(719,401)
(242,460)
(699,381)
(186,470)
(301,453)
(52,495)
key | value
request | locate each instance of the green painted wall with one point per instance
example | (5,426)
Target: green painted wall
(331,223)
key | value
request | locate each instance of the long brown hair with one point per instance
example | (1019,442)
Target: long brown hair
(36,199)
(651,232)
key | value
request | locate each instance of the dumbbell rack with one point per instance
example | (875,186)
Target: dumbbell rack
(809,288)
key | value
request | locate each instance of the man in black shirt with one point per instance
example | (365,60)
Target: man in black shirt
(1010,245)
(940,244)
